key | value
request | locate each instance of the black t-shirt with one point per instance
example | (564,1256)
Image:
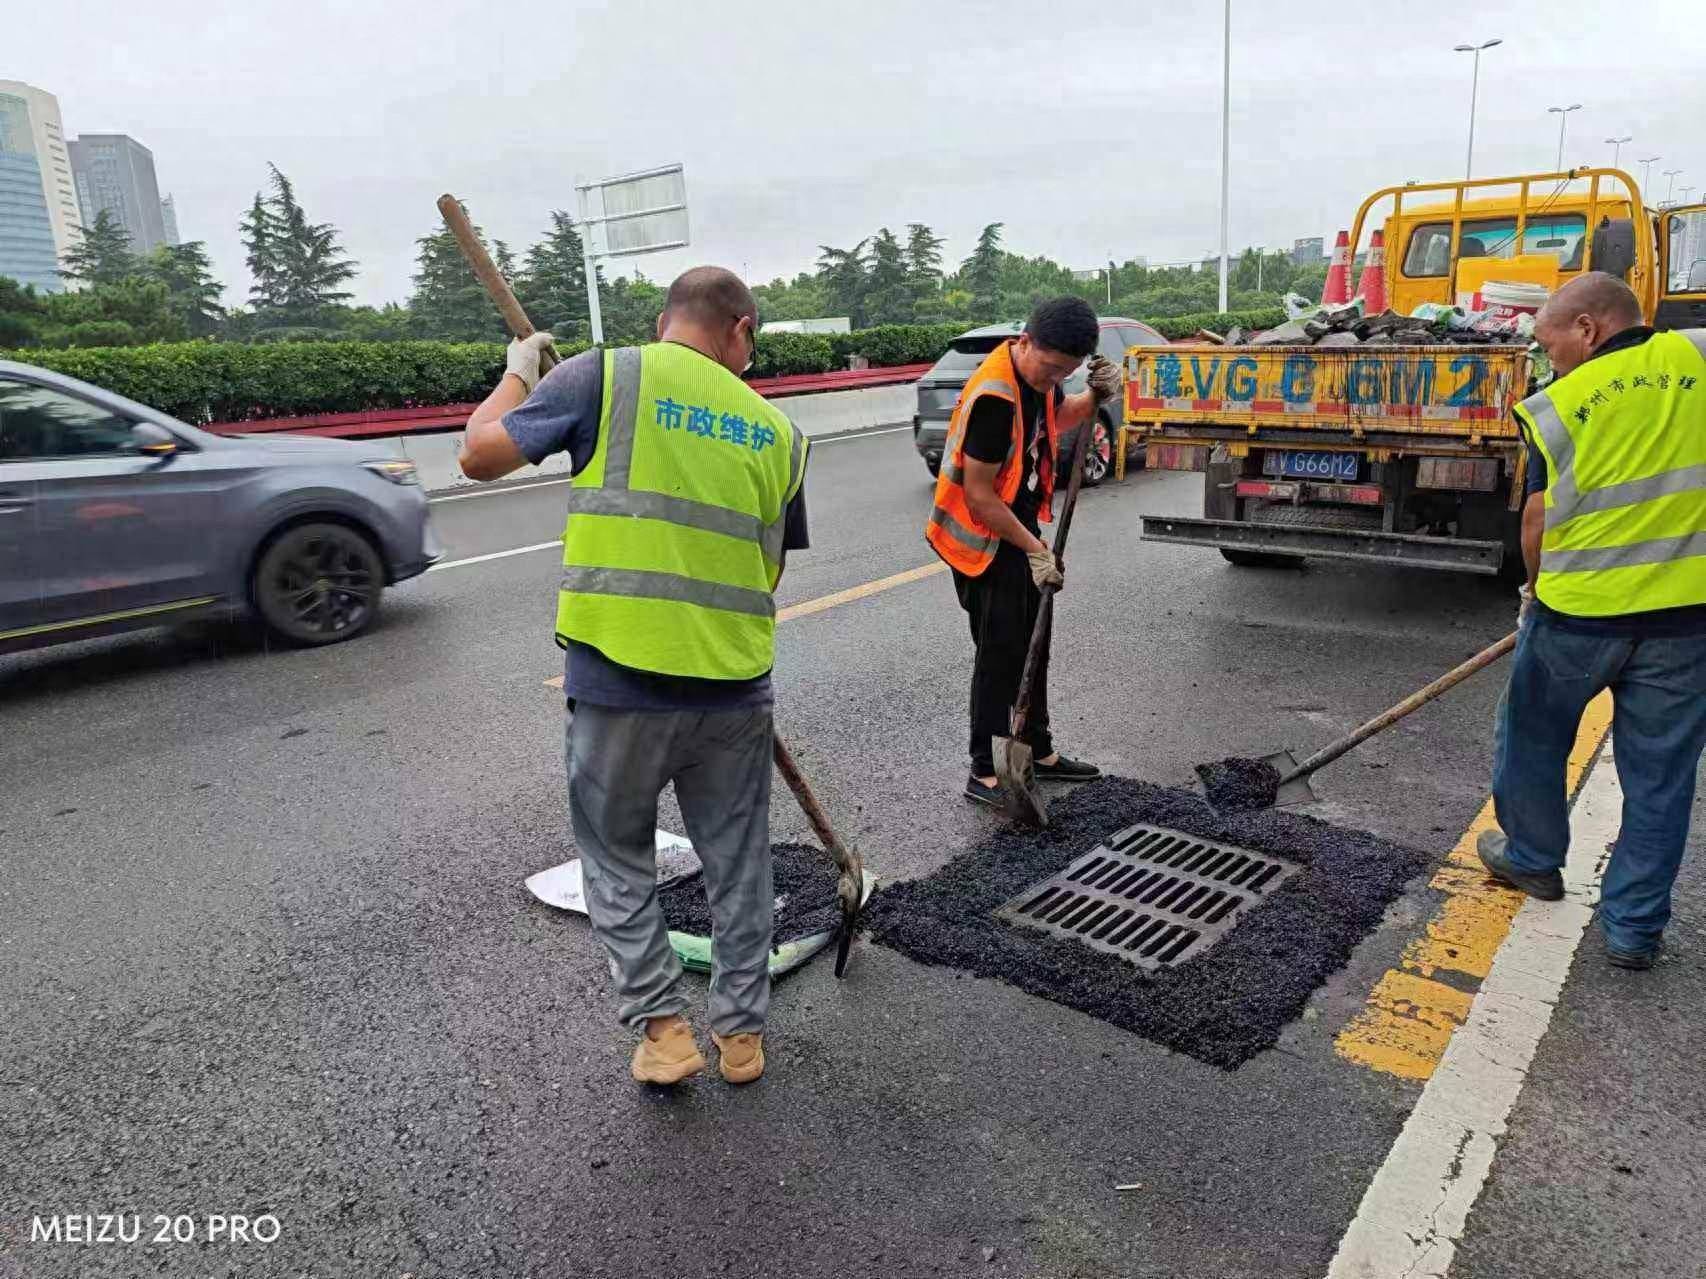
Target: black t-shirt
(1663,622)
(989,433)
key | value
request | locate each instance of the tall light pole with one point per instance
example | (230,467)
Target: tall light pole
(1225,144)
(1617,147)
(1671,189)
(1647,170)
(1259,249)
(1474,90)
(1685,191)
(1563,114)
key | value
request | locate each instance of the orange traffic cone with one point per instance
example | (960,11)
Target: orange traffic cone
(1372,286)
(1337,290)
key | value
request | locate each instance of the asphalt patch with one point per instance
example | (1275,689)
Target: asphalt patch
(1223,1006)
(804,877)
(1240,785)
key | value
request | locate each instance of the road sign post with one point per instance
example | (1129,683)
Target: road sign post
(643,212)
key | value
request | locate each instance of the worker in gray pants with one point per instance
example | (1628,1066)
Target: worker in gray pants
(687,495)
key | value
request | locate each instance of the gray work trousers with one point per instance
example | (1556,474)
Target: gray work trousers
(720,763)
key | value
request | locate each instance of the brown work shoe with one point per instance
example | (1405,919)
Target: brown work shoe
(669,1058)
(741,1057)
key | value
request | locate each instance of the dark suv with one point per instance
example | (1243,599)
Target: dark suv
(939,390)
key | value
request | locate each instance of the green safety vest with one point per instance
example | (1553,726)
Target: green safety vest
(1624,437)
(673,544)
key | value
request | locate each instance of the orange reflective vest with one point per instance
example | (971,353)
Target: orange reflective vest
(957,535)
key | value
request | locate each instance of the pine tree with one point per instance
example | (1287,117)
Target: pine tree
(296,265)
(448,302)
(888,294)
(923,258)
(842,272)
(981,273)
(552,288)
(103,256)
(191,291)
(266,272)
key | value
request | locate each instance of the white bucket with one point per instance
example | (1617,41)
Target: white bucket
(1503,299)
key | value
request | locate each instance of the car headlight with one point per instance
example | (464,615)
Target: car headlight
(396,470)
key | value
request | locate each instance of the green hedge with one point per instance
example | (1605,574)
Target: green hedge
(1183,326)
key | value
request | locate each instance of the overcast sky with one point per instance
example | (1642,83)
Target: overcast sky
(1088,129)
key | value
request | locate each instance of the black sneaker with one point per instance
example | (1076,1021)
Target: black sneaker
(1492,848)
(1634,960)
(978,793)
(1067,770)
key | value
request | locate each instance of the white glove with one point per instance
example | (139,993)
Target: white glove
(1044,571)
(523,359)
(1526,595)
(1104,379)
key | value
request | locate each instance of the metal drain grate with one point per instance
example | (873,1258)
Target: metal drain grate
(1150,895)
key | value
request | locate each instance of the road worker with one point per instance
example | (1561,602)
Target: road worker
(1614,539)
(994,492)
(687,494)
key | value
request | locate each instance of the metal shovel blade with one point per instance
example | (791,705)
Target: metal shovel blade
(1295,791)
(1015,768)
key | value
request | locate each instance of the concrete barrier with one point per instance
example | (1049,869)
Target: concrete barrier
(820,416)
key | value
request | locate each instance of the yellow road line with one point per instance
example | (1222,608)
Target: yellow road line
(1411,1013)
(852,593)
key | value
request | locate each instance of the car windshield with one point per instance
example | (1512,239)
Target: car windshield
(966,354)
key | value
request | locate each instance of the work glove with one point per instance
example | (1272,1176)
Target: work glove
(523,359)
(1044,571)
(1104,379)
(1526,594)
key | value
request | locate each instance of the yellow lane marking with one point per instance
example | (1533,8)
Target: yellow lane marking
(852,593)
(1411,1014)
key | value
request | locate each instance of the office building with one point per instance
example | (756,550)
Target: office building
(115,175)
(39,216)
(169,219)
(1310,251)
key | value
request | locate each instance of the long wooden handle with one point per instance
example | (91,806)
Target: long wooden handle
(1045,613)
(846,861)
(486,271)
(1421,697)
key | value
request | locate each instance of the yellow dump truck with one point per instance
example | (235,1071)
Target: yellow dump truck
(1401,454)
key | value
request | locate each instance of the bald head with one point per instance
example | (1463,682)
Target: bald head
(710,310)
(1578,319)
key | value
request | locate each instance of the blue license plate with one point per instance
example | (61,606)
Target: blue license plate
(1310,465)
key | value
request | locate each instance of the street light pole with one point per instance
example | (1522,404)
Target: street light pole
(1647,170)
(1563,114)
(1671,189)
(1259,249)
(1617,148)
(1225,144)
(1474,91)
(1685,191)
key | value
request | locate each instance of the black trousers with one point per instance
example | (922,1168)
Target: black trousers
(1001,604)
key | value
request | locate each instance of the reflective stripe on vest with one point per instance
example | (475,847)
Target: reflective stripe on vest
(675,527)
(1624,438)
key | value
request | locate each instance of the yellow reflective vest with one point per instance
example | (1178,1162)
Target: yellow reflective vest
(673,543)
(1624,437)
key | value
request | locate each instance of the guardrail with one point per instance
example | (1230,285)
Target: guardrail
(450,417)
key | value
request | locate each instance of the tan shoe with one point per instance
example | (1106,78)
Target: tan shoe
(671,1057)
(741,1056)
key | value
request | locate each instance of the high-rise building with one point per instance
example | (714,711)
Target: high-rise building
(169,219)
(39,217)
(115,175)
(1309,251)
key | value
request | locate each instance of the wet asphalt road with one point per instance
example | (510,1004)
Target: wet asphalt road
(269,950)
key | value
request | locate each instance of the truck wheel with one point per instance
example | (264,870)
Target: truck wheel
(1260,559)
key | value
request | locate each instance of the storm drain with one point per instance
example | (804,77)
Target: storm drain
(1150,895)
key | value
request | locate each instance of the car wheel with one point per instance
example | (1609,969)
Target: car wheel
(1099,456)
(318,584)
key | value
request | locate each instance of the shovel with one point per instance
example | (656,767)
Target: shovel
(1294,785)
(851,888)
(1015,764)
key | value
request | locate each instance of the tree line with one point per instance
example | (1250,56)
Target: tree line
(299,271)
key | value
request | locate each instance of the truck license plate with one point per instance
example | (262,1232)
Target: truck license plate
(1309,465)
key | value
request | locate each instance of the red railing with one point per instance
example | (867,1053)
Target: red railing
(450,417)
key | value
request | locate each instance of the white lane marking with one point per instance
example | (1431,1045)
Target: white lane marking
(858,435)
(509,488)
(1414,1211)
(556,544)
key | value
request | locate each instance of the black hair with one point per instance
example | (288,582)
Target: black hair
(1067,325)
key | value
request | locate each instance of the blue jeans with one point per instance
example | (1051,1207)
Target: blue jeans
(1658,691)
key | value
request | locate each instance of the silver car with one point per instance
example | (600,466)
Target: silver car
(115,517)
(939,390)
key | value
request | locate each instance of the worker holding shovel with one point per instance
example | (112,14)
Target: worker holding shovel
(996,485)
(687,492)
